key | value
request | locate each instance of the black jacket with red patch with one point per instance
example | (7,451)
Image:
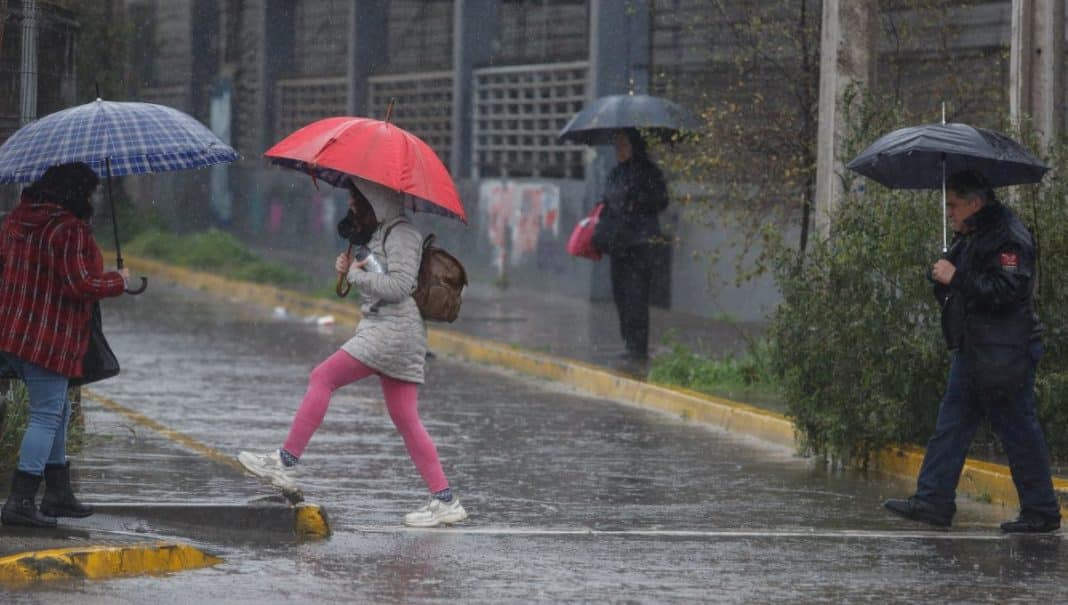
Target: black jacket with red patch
(990,300)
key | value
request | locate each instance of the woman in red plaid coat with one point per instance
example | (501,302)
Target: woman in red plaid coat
(53,271)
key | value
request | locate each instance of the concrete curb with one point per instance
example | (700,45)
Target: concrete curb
(983,481)
(260,520)
(101,562)
(303,521)
(306,521)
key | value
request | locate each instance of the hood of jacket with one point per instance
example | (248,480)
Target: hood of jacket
(387,203)
(31,215)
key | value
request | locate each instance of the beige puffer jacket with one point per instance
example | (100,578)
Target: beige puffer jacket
(391,335)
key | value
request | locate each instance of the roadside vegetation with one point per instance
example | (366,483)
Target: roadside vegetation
(214,251)
(855,349)
(747,377)
(15,415)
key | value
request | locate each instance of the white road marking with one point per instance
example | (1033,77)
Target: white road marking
(987,534)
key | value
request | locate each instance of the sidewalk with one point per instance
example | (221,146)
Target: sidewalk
(569,327)
(588,331)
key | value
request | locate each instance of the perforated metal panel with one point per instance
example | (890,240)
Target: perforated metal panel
(305,100)
(423,106)
(519,111)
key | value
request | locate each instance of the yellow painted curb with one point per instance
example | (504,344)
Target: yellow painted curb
(101,562)
(312,523)
(983,481)
(723,413)
(345,313)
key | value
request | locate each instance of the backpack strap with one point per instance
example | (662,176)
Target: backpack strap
(389,228)
(427,241)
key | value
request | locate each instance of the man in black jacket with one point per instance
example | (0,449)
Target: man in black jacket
(985,286)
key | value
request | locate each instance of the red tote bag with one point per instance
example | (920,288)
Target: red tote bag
(581,241)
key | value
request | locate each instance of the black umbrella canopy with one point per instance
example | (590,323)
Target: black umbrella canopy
(596,123)
(911,158)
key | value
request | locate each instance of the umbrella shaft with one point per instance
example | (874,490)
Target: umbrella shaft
(114,219)
(945,219)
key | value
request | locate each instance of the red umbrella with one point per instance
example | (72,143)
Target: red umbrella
(334,149)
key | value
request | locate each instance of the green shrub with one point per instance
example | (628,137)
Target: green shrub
(14,416)
(1053,410)
(857,339)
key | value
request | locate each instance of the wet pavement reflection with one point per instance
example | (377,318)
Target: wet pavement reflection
(572,498)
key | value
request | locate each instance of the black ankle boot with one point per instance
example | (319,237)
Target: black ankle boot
(59,499)
(21,508)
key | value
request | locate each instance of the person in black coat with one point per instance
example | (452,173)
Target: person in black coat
(635,193)
(985,286)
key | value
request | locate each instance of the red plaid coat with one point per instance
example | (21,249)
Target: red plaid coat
(52,273)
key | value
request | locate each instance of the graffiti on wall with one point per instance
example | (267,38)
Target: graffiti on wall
(518,217)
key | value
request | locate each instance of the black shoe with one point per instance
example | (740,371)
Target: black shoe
(918,510)
(1031,523)
(21,508)
(59,499)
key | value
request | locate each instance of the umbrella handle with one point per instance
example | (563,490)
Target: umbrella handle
(144,284)
(343,286)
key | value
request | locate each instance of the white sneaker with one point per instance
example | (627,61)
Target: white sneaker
(269,466)
(435,512)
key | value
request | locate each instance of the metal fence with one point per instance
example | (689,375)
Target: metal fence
(305,100)
(423,106)
(518,112)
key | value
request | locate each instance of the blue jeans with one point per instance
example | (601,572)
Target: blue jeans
(45,441)
(1015,421)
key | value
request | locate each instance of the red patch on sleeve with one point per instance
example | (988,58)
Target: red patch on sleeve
(1009,260)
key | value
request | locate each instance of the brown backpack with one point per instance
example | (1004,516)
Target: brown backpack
(440,283)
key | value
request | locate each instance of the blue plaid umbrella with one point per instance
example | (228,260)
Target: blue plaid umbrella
(114,139)
(135,138)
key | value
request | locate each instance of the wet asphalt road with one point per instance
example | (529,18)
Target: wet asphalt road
(571,498)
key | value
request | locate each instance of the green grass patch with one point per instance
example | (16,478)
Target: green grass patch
(745,377)
(14,416)
(213,251)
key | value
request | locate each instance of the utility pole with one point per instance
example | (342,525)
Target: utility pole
(1036,67)
(847,58)
(28,67)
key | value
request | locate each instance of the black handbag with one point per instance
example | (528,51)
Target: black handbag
(99,361)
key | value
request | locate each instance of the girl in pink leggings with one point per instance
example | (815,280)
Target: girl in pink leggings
(390,342)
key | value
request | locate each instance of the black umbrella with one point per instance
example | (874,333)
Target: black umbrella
(911,158)
(596,123)
(920,157)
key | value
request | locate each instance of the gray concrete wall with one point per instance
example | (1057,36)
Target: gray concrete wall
(515,238)
(689,44)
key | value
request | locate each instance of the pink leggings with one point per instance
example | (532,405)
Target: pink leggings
(402,398)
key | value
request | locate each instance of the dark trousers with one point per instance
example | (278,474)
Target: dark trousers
(632,272)
(1014,420)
